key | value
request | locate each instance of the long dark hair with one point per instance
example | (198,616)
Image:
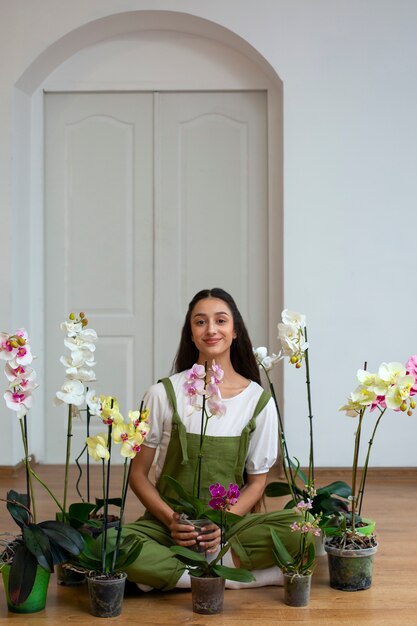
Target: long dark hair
(241,353)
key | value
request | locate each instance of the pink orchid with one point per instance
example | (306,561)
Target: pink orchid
(196,372)
(18,401)
(222,499)
(378,402)
(217,373)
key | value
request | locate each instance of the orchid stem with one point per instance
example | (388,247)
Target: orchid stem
(310,417)
(365,467)
(106,497)
(202,434)
(67,458)
(30,493)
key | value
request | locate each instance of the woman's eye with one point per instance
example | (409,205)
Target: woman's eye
(221,321)
(199,322)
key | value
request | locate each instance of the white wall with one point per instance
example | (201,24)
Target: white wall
(350,96)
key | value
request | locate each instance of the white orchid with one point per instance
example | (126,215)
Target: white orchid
(264,360)
(71,392)
(294,318)
(18,401)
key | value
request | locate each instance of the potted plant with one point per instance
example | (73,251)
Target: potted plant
(103,560)
(28,559)
(298,569)
(208,577)
(327,500)
(350,551)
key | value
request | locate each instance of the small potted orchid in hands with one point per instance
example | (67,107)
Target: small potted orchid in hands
(392,387)
(208,577)
(298,569)
(28,559)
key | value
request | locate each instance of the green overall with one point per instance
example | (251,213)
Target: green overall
(223,461)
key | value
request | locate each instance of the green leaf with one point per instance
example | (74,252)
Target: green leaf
(187,556)
(37,543)
(281,553)
(64,536)
(311,555)
(22,575)
(275,490)
(337,488)
(129,552)
(233,573)
(20,515)
(79,512)
(298,471)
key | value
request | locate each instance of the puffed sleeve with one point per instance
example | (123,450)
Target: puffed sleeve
(263,446)
(156,400)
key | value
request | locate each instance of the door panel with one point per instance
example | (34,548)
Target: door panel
(211,208)
(99,243)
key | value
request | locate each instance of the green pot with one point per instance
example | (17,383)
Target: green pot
(350,570)
(332,531)
(37,598)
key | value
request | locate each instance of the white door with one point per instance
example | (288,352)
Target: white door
(148,199)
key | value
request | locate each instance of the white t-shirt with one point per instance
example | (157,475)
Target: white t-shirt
(263,446)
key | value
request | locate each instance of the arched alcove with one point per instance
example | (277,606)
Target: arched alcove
(131,51)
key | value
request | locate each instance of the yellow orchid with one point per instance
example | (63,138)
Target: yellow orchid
(363,396)
(399,392)
(97,447)
(131,446)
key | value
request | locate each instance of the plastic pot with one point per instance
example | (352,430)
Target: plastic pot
(297,589)
(106,594)
(207,594)
(37,598)
(350,570)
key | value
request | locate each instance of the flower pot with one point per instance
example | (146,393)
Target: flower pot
(350,570)
(367,529)
(297,589)
(68,577)
(37,598)
(198,525)
(106,594)
(207,594)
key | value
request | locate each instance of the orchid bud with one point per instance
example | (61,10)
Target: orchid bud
(294,358)
(72,316)
(21,341)
(409,413)
(412,404)
(298,365)
(403,406)
(84,321)
(82,315)
(14,343)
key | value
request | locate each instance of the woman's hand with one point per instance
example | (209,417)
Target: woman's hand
(186,535)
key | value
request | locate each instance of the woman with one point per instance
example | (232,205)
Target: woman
(239,447)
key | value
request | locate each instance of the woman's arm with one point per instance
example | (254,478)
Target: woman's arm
(144,489)
(251,493)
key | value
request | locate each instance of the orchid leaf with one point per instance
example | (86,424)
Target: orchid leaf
(22,575)
(233,573)
(64,536)
(79,512)
(37,543)
(311,555)
(337,488)
(298,471)
(282,556)
(20,514)
(275,490)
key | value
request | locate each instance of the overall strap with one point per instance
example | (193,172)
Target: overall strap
(177,425)
(248,430)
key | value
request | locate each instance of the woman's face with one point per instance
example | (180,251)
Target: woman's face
(212,328)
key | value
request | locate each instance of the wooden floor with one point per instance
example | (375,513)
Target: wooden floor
(392,600)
